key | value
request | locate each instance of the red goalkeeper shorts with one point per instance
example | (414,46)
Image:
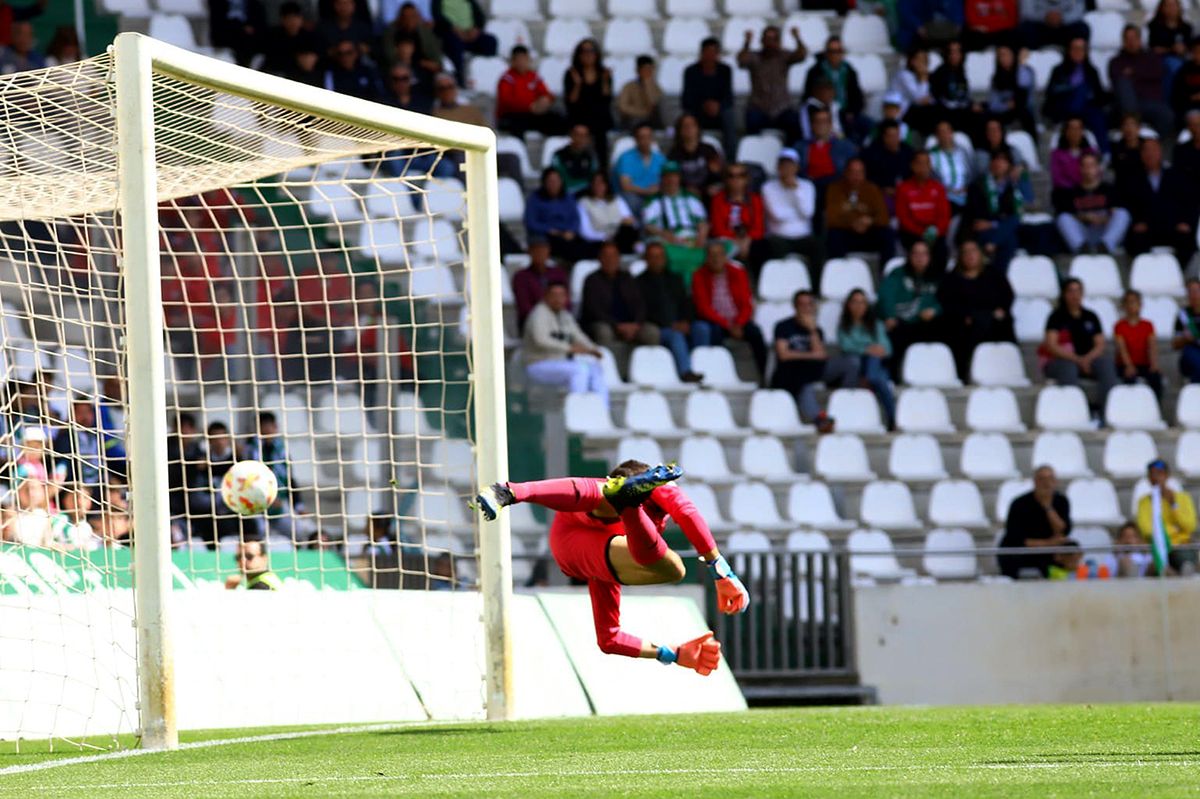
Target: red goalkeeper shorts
(579,544)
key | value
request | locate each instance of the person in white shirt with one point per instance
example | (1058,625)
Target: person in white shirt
(70,525)
(952,165)
(911,87)
(790,204)
(26,519)
(553,344)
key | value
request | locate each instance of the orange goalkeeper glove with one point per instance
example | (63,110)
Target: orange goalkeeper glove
(702,654)
(732,596)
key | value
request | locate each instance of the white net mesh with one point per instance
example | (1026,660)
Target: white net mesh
(312,275)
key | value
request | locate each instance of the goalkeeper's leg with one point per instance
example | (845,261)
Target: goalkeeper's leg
(577,494)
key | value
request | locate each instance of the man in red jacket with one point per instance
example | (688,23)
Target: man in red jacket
(737,214)
(922,209)
(990,23)
(523,102)
(725,305)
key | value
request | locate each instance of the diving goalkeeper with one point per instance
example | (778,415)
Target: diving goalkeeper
(609,533)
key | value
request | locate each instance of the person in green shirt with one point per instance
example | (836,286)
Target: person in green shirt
(864,341)
(908,304)
(256,570)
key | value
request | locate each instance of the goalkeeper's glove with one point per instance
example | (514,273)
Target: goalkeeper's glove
(702,654)
(732,596)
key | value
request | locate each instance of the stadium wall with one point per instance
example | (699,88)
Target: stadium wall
(981,643)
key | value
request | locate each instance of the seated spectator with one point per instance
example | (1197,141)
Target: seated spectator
(1169,36)
(990,23)
(976,306)
(577,161)
(725,305)
(1064,159)
(911,86)
(801,360)
(1054,23)
(892,105)
(70,525)
(552,214)
(213,519)
(351,74)
(64,47)
(1137,348)
(668,306)
(283,41)
(908,304)
(790,203)
(604,216)
(708,93)
(856,215)
(887,161)
(80,449)
(770,104)
(994,209)
(270,448)
(952,165)
(1130,562)
(638,170)
(1187,334)
(700,164)
(863,338)
(951,93)
(1075,90)
(308,68)
(994,141)
(922,209)
(240,25)
(824,156)
(677,219)
(460,26)
(1138,79)
(1074,346)
(1162,207)
(823,98)
(640,100)
(1186,158)
(1010,95)
(1126,155)
(737,216)
(588,94)
(402,92)
(409,40)
(530,283)
(1041,518)
(342,20)
(1164,508)
(448,105)
(523,102)
(25,517)
(612,310)
(927,23)
(1185,86)
(831,65)
(551,341)
(1088,216)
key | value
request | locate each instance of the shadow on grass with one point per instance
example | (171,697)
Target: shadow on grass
(1083,758)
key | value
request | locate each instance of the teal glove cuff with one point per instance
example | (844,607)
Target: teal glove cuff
(666,656)
(719,568)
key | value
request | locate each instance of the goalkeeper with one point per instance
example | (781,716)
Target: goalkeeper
(609,533)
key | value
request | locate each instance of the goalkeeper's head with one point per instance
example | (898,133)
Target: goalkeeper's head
(628,468)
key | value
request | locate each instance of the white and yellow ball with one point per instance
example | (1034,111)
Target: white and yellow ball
(249,488)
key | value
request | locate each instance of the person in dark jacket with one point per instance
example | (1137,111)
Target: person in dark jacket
(588,94)
(669,307)
(1075,90)
(1139,82)
(948,85)
(908,304)
(976,306)
(460,27)
(290,36)
(1162,207)
(351,74)
(832,65)
(1041,518)
(887,159)
(708,93)
(552,214)
(240,26)
(1185,86)
(995,203)
(613,313)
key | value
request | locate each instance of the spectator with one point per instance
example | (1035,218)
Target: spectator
(1075,90)
(1161,206)
(550,213)
(700,164)
(523,102)
(64,47)
(950,91)
(531,283)
(1138,79)
(1010,95)
(79,452)
(26,520)
(856,215)
(977,305)
(605,216)
(908,304)
(350,74)
(1130,562)
(1171,510)
(801,360)
(576,161)
(32,455)
(990,23)
(588,94)
(1041,518)
(952,165)
(790,203)
(639,169)
(737,215)
(308,68)
(911,87)
(254,567)
(708,93)
(70,526)
(460,26)
(402,91)
(448,105)
(1052,23)
(1088,216)
(341,21)
(887,160)
(668,306)
(994,210)
(1074,346)
(10,14)
(211,519)
(770,105)
(552,339)
(994,141)
(283,41)
(823,98)
(1169,36)
(1186,158)
(677,218)
(893,111)
(20,54)
(184,455)
(864,340)
(1185,86)
(927,23)
(922,209)
(1137,349)
(831,65)
(612,312)
(1187,334)
(1126,155)
(1064,159)
(823,157)
(724,305)
(236,24)
(640,99)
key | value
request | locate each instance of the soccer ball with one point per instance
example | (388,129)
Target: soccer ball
(249,487)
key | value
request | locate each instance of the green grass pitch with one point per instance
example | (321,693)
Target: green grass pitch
(1045,751)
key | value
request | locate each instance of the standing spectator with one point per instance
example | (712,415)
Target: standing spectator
(864,340)
(639,169)
(1137,349)
(725,306)
(908,304)
(20,54)
(588,94)
(459,24)
(605,216)
(1011,91)
(887,160)
(236,24)
(1041,518)
(1161,206)
(553,339)
(1075,90)
(922,209)
(856,215)
(1139,81)
(342,20)
(708,93)
(613,312)
(1169,36)
(531,283)
(677,219)
(640,100)
(977,305)
(1064,159)
(951,93)
(668,306)
(523,102)
(952,165)
(1088,216)
(790,203)
(700,163)
(990,23)
(911,85)
(1052,22)
(350,74)
(577,161)
(737,215)
(448,105)
(1074,346)
(550,213)
(283,41)
(1187,334)
(832,66)
(801,360)
(1171,510)
(1185,87)
(994,210)
(770,105)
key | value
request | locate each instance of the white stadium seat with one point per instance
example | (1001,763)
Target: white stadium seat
(949,566)
(550,146)
(781,278)
(988,456)
(980,68)
(511,144)
(1033,276)
(509,32)
(1126,453)
(753,504)
(631,8)
(923,410)
(994,410)
(174,29)
(1094,501)
(1022,142)
(648,412)
(709,412)
(1042,62)
(840,276)
(759,149)
(842,457)
(930,365)
(682,37)
(828,315)
(1187,406)
(1100,275)
(512,201)
(612,376)
(573,9)
(808,541)
(814,30)
(774,411)
(690,8)
(1187,454)
(579,273)
(888,504)
(998,364)
(1008,491)
(1133,408)
(1062,408)
(811,505)
(1029,318)
(644,449)
(735,31)
(559,40)
(866,33)
(705,460)
(1062,451)
(872,555)
(671,67)
(956,503)
(705,500)
(629,37)
(654,366)
(855,410)
(916,457)
(764,458)
(587,414)
(1106,27)
(517,9)
(1162,313)
(768,314)
(718,368)
(872,74)
(1106,311)
(1157,274)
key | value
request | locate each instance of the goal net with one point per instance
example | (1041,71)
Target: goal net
(320,273)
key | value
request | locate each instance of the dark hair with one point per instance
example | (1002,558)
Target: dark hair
(713,41)
(846,324)
(1062,134)
(638,127)
(266,417)
(185,418)
(770,28)
(517,50)
(886,125)
(1131,293)
(917,154)
(290,7)
(575,63)
(628,468)
(546,173)
(801,293)
(645,61)
(562,284)
(217,427)
(912,54)
(1131,27)
(604,245)
(586,191)
(832,40)
(1062,292)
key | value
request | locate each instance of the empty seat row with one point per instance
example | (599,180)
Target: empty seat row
(1153,274)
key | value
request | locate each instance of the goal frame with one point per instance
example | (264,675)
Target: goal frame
(136,59)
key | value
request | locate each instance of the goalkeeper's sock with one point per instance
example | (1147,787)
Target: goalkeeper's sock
(645,544)
(567,494)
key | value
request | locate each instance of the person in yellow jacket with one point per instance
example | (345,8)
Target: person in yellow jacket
(1179,516)
(256,571)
